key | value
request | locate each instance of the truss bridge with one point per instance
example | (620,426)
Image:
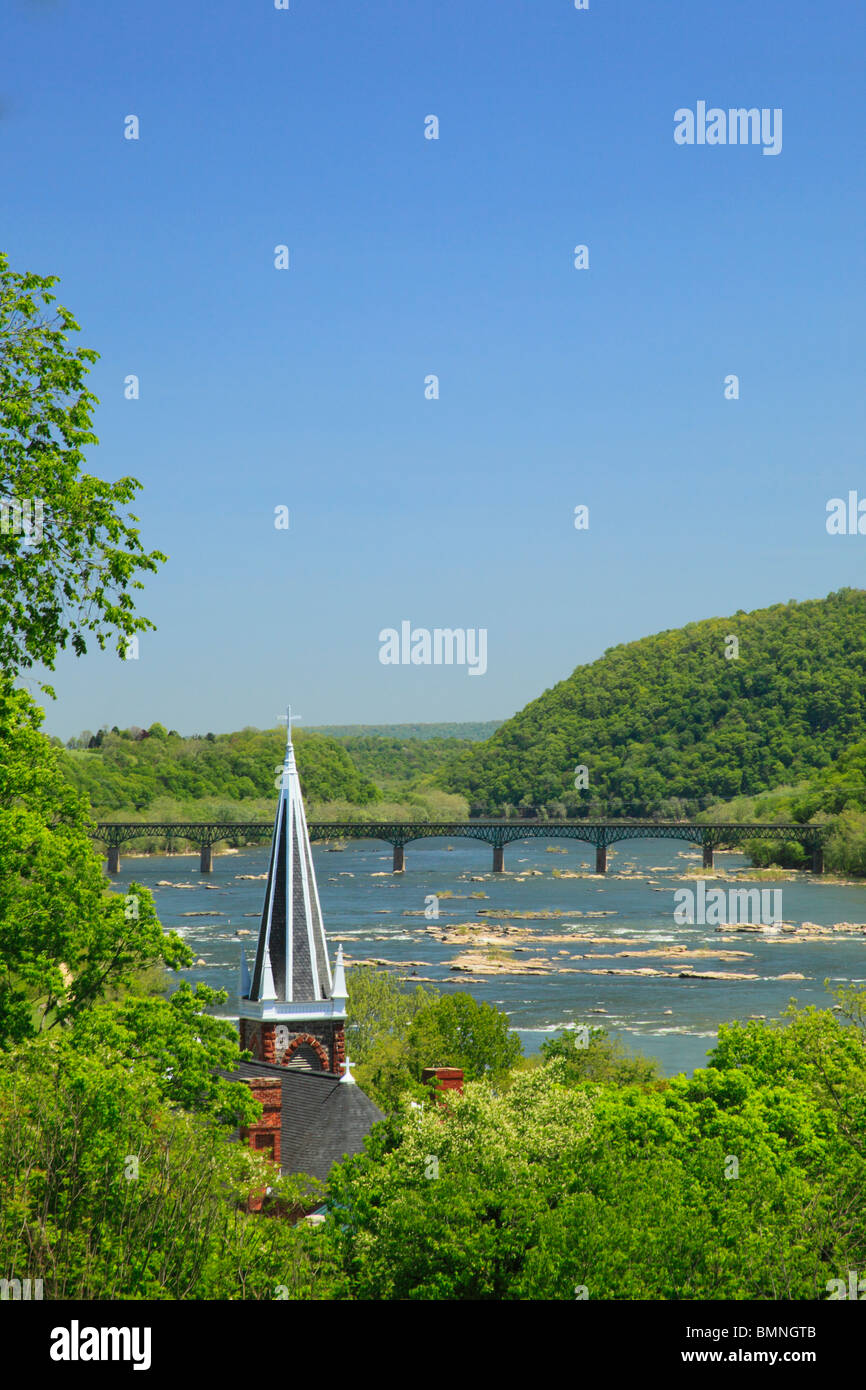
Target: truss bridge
(496,833)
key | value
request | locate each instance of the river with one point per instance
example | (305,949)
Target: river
(673,1019)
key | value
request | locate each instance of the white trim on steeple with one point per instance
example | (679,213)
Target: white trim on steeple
(269,989)
(339,990)
(288,769)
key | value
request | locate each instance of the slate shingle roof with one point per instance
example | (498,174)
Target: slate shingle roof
(323,1120)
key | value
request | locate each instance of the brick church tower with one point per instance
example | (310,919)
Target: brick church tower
(292,1010)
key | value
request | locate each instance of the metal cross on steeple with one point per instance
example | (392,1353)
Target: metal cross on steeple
(287,720)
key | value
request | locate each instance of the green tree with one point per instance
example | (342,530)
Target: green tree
(457,1031)
(744,1181)
(65,940)
(75,576)
(188,1050)
(379,1014)
(447,1209)
(109,1192)
(595,1056)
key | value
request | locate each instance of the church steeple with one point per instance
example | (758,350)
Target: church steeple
(292,993)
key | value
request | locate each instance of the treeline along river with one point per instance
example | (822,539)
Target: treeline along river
(565,933)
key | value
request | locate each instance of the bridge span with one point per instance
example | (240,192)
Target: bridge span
(496,833)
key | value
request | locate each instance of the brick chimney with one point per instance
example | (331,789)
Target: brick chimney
(443,1078)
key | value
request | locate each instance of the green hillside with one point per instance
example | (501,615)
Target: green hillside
(668,725)
(158,773)
(404,760)
(400,762)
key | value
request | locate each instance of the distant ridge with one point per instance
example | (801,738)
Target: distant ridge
(471,733)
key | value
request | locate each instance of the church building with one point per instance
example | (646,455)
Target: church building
(292,1012)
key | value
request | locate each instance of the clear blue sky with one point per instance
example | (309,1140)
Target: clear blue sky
(455,257)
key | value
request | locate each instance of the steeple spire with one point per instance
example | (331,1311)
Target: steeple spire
(292,962)
(291,981)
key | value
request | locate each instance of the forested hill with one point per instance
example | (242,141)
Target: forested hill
(156,771)
(399,761)
(668,724)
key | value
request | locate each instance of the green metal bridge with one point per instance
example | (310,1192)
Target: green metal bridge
(497,833)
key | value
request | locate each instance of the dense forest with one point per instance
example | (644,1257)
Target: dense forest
(137,770)
(670,724)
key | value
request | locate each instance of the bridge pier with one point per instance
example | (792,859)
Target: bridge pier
(399,859)
(818,859)
(114,859)
(708,856)
(601,859)
(499,859)
(205,865)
